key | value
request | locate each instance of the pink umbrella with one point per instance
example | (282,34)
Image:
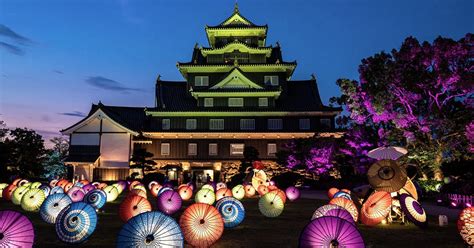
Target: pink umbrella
(16,230)
(387,152)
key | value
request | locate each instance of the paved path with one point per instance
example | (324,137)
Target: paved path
(430,207)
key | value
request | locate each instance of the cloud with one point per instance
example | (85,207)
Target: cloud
(58,71)
(74,113)
(108,84)
(11,48)
(7,32)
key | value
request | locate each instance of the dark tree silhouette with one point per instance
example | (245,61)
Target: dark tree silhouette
(141,160)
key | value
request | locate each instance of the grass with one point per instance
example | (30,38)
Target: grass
(259,231)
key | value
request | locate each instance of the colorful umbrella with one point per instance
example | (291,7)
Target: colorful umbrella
(333,210)
(52,206)
(68,186)
(249,191)
(132,184)
(56,190)
(46,189)
(138,192)
(409,188)
(133,206)
(122,184)
(205,196)
(224,192)
(232,211)
(413,210)
(346,204)
(96,198)
(238,192)
(22,182)
(387,152)
(259,178)
(292,193)
(343,195)
(8,192)
(262,190)
(331,192)
(207,186)
(150,229)
(18,194)
(53,183)
(76,193)
(271,205)
(88,187)
(185,192)
(155,189)
(466,225)
(16,230)
(387,175)
(202,225)
(280,193)
(220,185)
(32,200)
(376,208)
(169,202)
(76,223)
(361,191)
(150,184)
(111,192)
(2,187)
(163,189)
(329,231)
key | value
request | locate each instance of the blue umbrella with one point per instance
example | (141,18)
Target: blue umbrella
(232,211)
(343,195)
(56,190)
(46,189)
(96,198)
(151,229)
(53,205)
(76,223)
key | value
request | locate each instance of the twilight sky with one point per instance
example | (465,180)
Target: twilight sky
(58,57)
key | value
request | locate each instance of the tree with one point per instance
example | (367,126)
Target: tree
(423,92)
(251,154)
(53,166)
(140,159)
(61,146)
(3,151)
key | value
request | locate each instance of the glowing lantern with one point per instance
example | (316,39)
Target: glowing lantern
(347,204)
(466,225)
(8,192)
(76,223)
(232,211)
(111,192)
(18,194)
(238,192)
(331,192)
(376,208)
(185,192)
(51,207)
(202,225)
(133,206)
(292,193)
(16,230)
(32,200)
(221,193)
(271,205)
(262,190)
(249,191)
(169,202)
(205,196)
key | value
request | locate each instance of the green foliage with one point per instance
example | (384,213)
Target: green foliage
(53,166)
(61,146)
(430,185)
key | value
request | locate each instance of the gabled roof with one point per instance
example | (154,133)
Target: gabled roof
(236,79)
(237,45)
(236,20)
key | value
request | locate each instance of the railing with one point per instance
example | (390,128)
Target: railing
(459,201)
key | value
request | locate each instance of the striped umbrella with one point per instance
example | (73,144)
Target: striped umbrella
(205,196)
(238,192)
(96,198)
(249,191)
(76,193)
(387,152)
(333,210)
(346,204)
(169,202)
(133,206)
(8,192)
(16,230)
(271,205)
(76,223)
(202,225)
(18,194)
(32,200)
(111,192)
(387,175)
(292,193)
(56,190)
(376,208)
(185,192)
(52,206)
(232,211)
(329,231)
(150,229)
(224,192)
(413,210)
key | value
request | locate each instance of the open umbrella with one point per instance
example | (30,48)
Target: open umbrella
(18,194)
(205,196)
(232,211)
(466,225)
(333,210)
(32,200)
(249,190)
(387,152)
(224,192)
(259,178)
(409,188)
(46,189)
(346,204)
(361,191)
(53,183)
(413,210)
(262,190)
(154,189)
(220,185)
(76,223)
(207,186)
(343,195)
(150,184)
(76,193)
(133,206)
(185,192)
(271,205)
(202,225)
(111,192)
(8,192)
(138,192)
(331,192)
(292,193)
(163,189)
(376,208)
(169,202)
(329,231)
(56,190)
(387,175)
(16,230)
(2,187)
(96,198)
(52,206)
(238,192)
(88,187)
(150,229)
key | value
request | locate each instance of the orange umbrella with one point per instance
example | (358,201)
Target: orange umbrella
(137,192)
(249,190)
(133,206)
(331,192)
(376,208)
(202,225)
(16,181)
(185,192)
(221,193)
(346,204)
(262,190)
(466,225)
(154,189)
(68,186)
(132,184)
(8,192)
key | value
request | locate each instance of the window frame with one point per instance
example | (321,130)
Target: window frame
(189,121)
(218,126)
(235,98)
(268,149)
(272,82)
(243,127)
(209,149)
(265,100)
(232,150)
(279,120)
(208,102)
(201,81)
(323,125)
(164,145)
(163,121)
(304,121)
(195,149)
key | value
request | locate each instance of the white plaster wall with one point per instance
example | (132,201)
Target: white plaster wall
(108,126)
(92,126)
(114,150)
(85,139)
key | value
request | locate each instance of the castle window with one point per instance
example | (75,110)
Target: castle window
(305,124)
(271,80)
(271,149)
(165,149)
(201,81)
(191,124)
(166,124)
(208,102)
(263,102)
(192,149)
(213,149)
(216,124)
(275,124)
(237,149)
(236,102)
(247,124)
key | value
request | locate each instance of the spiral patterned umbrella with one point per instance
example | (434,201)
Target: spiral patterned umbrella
(16,230)
(387,175)
(330,231)
(56,190)
(169,202)
(52,206)
(413,210)
(76,223)
(346,204)
(220,185)
(111,192)
(205,196)
(185,192)
(18,194)
(32,200)
(249,191)
(343,195)
(8,192)
(271,205)
(88,187)
(376,208)
(466,225)
(46,189)
(96,198)
(76,193)
(292,193)
(331,192)
(232,211)
(224,192)
(133,206)
(202,225)
(150,229)
(333,210)
(238,192)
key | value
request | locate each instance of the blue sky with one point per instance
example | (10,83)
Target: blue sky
(58,57)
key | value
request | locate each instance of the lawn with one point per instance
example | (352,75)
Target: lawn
(259,231)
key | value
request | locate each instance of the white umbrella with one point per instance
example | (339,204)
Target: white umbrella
(387,152)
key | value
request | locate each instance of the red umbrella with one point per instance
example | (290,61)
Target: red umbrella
(376,208)
(133,206)
(202,225)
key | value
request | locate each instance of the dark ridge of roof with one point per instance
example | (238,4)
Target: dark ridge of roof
(270,89)
(237,26)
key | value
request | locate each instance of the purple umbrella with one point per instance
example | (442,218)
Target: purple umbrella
(16,230)
(76,194)
(88,187)
(169,202)
(292,193)
(413,210)
(329,231)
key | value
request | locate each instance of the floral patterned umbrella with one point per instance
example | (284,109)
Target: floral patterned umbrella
(96,198)
(133,206)
(232,211)
(271,205)
(376,208)
(202,225)
(16,230)
(387,175)
(52,206)
(333,210)
(413,210)
(150,229)
(32,200)
(76,223)
(169,202)
(329,231)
